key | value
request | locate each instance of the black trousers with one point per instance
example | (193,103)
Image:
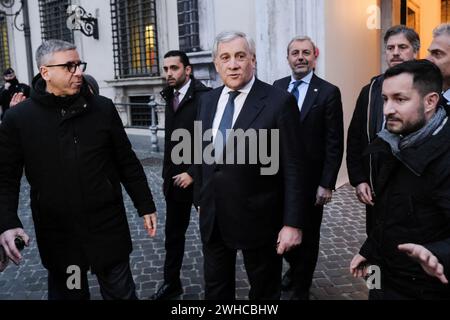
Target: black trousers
(116,283)
(263,267)
(370,219)
(177,221)
(303,259)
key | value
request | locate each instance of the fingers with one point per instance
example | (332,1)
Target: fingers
(12,252)
(150,224)
(16,99)
(364,194)
(24,237)
(406,248)
(281,248)
(180,181)
(322,200)
(176,180)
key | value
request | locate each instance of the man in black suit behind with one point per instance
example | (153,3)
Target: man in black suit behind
(242,208)
(321,139)
(181,95)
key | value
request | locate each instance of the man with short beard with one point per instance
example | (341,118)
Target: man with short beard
(182,94)
(410,241)
(402,44)
(440,55)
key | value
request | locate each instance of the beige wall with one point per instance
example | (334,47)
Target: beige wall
(351,55)
(237,15)
(430,17)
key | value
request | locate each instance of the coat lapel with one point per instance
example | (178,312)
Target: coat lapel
(186,98)
(211,104)
(311,95)
(253,105)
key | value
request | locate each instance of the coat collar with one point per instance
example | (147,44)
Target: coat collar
(311,95)
(417,159)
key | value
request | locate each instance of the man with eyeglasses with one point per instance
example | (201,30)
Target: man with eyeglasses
(76,155)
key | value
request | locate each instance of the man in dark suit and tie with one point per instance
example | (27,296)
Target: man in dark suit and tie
(181,95)
(440,55)
(321,139)
(241,206)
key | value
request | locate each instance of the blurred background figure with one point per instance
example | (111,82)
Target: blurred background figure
(12,90)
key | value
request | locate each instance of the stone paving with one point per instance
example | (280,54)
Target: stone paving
(343,232)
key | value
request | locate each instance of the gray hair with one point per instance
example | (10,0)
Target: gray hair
(410,35)
(442,29)
(49,47)
(228,36)
(301,38)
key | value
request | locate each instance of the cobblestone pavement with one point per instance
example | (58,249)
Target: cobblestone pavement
(342,234)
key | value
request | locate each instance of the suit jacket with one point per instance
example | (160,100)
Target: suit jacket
(367,121)
(183,118)
(248,208)
(321,133)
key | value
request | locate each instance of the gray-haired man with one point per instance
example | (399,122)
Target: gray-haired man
(440,56)
(76,154)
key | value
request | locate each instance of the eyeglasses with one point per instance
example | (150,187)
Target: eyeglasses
(71,66)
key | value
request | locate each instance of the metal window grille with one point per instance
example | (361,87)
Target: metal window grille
(54,16)
(135,38)
(140,112)
(5,61)
(445,11)
(188,28)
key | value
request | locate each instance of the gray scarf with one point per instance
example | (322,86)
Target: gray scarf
(398,142)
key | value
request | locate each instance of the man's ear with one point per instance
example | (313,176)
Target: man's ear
(44,73)
(188,71)
(431,101)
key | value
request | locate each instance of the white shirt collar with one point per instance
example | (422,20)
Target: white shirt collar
(246,89)
(306,79)
(185,88)
(447,95)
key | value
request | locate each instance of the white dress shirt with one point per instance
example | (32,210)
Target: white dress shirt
(302,88)
(183,91)
(447,96)
(238,104)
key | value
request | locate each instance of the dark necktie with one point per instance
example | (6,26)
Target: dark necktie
(295,91)
(225,124)
(176,100)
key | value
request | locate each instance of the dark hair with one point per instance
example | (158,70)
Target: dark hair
(8,72)
(177,53)
(92,83)
(427,76)
(410,35)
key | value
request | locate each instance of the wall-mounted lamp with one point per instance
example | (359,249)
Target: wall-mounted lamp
(9,4)
(80,20)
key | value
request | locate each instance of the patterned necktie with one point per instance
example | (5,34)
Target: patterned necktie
(225,124)
(176,100)
(295,91)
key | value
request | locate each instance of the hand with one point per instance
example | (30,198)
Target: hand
(429,262)
(183,180)
(150,224)
(359,266)
(16,99)
(7,241)
(323,196)
(288,238)
(364,194)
